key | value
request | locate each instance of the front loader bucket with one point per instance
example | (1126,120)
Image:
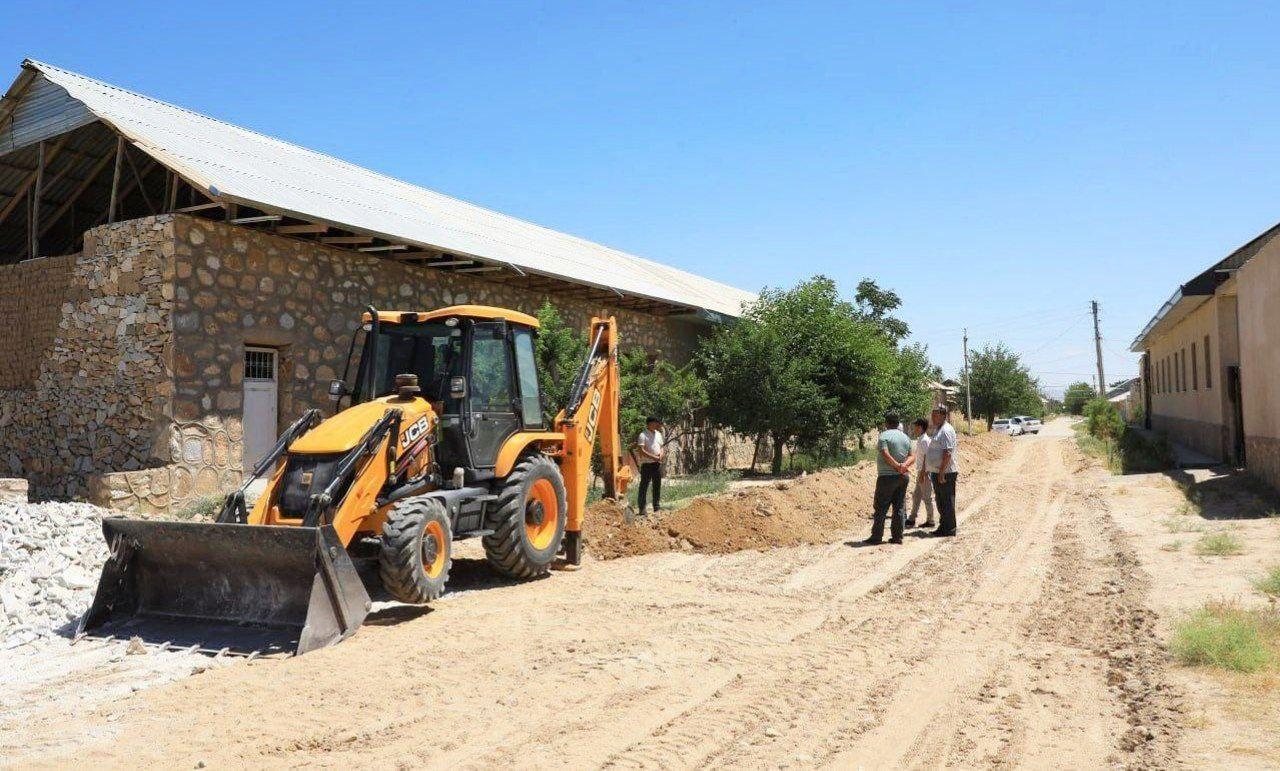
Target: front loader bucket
(242,588)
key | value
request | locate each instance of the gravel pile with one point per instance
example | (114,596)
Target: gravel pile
(50,557)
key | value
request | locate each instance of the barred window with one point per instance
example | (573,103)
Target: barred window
(259,364)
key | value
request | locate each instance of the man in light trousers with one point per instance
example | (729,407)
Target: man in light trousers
(923,490)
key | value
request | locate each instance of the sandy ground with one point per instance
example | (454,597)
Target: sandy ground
(1231,720)
(1029,641)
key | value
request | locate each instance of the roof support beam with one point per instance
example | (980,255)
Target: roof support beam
(346,240)
(33,227)
(200,207)
(296,229)
(28,182)
(71,199)
(141,187)
(115,180)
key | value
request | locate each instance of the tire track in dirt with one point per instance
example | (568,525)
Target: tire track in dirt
(825,658)
(1023,642)
(964,658)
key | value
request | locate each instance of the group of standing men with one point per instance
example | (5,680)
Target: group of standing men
(931,462)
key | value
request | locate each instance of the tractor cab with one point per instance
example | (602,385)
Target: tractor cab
(475,365)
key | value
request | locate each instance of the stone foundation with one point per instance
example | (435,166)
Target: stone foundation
(1208,438)
(1262,458)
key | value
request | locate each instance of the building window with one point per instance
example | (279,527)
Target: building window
(1208,365)
(259,364)
(1195,369)
(1182,368)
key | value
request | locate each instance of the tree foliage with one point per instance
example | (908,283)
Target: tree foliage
(1103,419)
(657,388)
(801,365)
(875,304)
(560,351)
(1000,384)
(1077,396)
(649,387)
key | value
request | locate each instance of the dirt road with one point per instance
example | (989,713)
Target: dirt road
(1026,641)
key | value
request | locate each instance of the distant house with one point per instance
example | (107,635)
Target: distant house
(945,392)
(1124,397)
(1210,369)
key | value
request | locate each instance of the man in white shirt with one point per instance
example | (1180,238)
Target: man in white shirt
(941,465)
(923,491)
(649,453)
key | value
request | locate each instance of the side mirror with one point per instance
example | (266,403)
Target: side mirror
(457,387)
(337,389)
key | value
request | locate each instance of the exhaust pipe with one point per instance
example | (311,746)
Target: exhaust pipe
(233,587)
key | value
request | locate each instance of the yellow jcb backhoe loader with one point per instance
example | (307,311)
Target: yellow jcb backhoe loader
(444,438)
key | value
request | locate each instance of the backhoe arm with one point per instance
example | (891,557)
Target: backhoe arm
(592,411)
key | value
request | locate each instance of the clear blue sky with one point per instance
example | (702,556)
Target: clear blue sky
(997,165)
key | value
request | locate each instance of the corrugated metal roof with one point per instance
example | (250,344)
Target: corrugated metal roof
(42,111)
(1193,294)
(245,167)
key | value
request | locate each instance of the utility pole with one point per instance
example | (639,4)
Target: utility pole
(968,392)
(1097,344)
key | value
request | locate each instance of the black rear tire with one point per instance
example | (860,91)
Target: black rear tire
(525,539)
(417,550)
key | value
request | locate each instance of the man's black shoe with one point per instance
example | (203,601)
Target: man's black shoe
(911,522)
(943,534)
(872,542)
(896,540)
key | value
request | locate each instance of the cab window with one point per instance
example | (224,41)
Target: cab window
(527,374)
(491,387)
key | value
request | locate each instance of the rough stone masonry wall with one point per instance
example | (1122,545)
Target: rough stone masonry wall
(135,397)
(236,287)
(31,297)
(100,399)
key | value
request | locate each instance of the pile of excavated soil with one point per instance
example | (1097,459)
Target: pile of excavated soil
(815,508)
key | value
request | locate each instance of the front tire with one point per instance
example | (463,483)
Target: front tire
(529,520)
(417,550)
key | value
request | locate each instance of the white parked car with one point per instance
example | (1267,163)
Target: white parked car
(1026,425)
(1006,426)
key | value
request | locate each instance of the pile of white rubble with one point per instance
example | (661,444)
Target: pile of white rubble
(50,557)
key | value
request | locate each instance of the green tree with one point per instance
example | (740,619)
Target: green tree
(800,365)
(875,304)
(1077,396)
(1103,419)
(649,387)
(560,351)
(1001,384)
(910,394)
(657,388)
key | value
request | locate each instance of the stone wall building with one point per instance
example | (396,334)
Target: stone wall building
(1209,365)
(175,330)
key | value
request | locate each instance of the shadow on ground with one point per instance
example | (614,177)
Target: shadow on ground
(1226,494)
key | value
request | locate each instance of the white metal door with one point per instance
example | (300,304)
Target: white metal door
(260,404)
